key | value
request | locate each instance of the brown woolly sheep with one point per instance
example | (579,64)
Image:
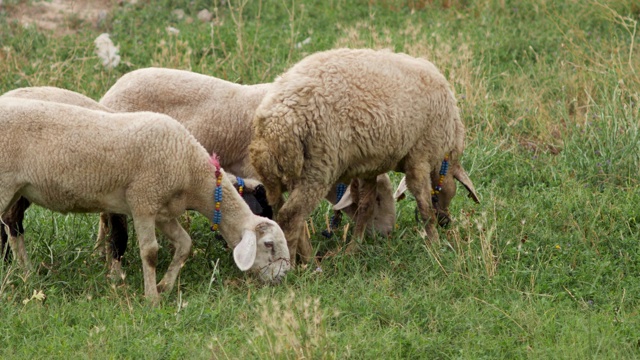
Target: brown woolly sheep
(344,114)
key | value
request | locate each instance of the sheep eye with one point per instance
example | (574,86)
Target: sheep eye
(268,244)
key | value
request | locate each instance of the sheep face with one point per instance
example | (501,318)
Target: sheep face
(256,198)
(384,216)
(442,200)
(448,191)
(384,220)
(264,251)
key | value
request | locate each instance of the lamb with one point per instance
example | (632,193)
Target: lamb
(145,165)
(113,224)
(219,114)
(343,114)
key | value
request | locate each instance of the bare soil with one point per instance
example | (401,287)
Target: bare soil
(62,17)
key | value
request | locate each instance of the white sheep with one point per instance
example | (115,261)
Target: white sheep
(146,165)
(219,114)
(113,224)
(344,114)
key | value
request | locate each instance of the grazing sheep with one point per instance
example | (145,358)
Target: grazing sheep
(344,114)
(219,114)
(72,159)
(113,224)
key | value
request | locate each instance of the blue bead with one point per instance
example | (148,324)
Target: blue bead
(340,190)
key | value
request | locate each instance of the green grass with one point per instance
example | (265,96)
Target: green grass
(547,266)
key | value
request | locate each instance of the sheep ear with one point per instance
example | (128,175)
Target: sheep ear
(402,188)
(345,201)
(461,175)
(244,253)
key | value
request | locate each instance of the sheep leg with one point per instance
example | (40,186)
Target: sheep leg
(114,248)
(14,218)
(103,230)
(181,241)
(291,217)
(144,226)
(364,213)
(419,183)
(4,244)
(116,226)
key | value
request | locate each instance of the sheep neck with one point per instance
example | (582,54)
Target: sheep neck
(235,216)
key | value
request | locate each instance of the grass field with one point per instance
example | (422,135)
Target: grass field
(547,266)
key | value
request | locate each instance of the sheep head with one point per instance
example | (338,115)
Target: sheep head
(456,172)
(384,218)
(263,250)
(255,195)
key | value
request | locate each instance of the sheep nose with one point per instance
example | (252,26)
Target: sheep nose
(277,279)
(386,232)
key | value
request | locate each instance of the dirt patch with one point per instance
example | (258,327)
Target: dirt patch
(63,17)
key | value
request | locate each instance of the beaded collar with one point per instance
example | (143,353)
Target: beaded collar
(336,218)
(443,172)
(240,186)
(217,197)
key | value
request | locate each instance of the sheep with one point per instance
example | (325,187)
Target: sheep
(219,114)
(72,159)
(114,224)
(14,216)
(343,114)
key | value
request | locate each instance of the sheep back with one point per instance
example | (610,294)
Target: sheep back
(72,159)
(347,113)
(217,112)
(54,94)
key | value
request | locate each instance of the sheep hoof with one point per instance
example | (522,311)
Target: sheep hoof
(115,272)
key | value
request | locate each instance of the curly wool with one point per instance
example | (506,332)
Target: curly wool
(344,114)
(348,113)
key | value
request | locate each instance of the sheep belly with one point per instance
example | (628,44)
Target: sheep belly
(64,199)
